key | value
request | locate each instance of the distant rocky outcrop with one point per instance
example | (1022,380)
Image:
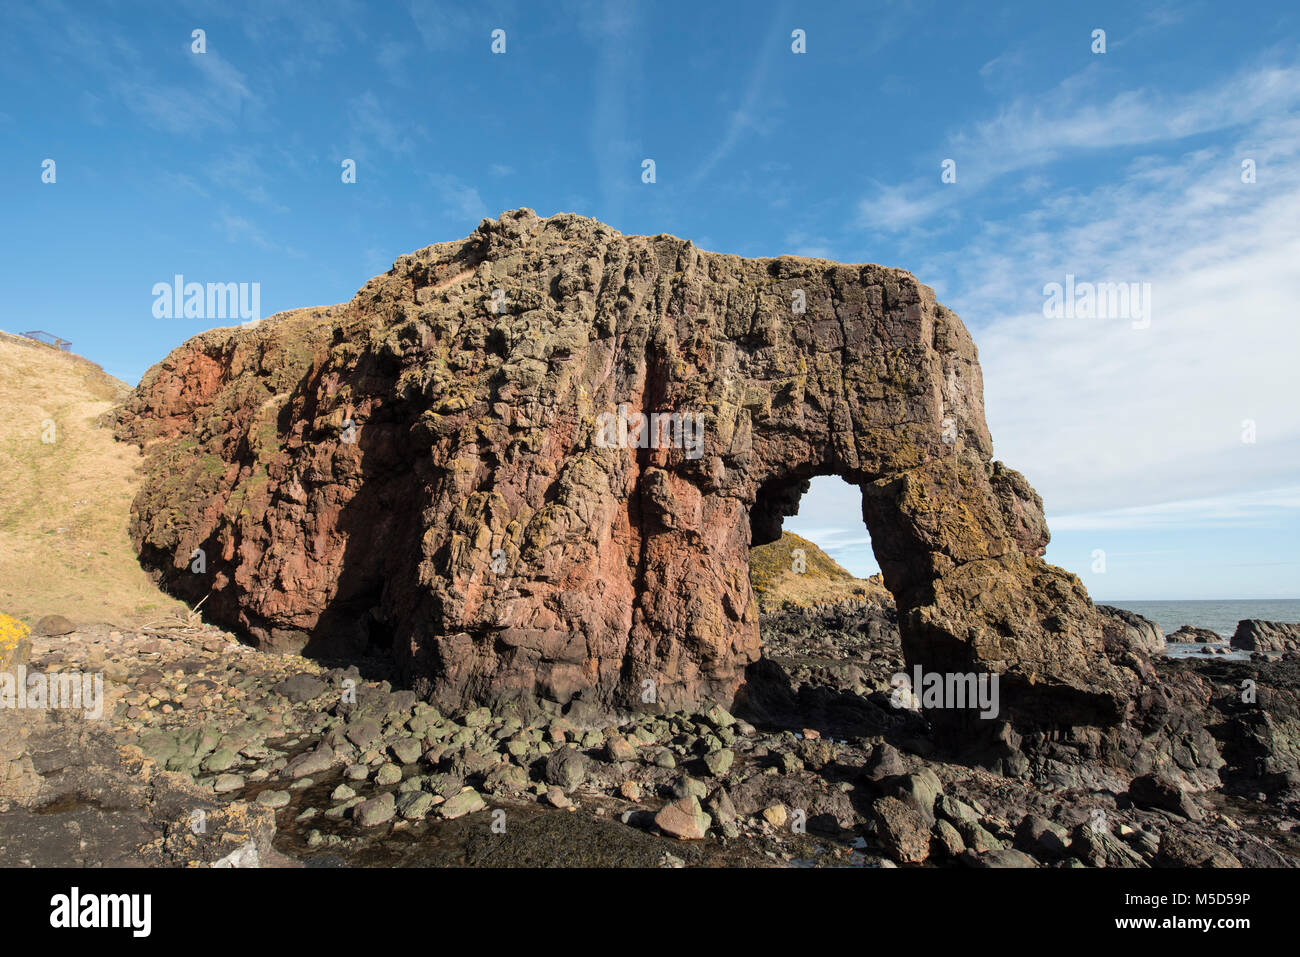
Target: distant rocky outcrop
(429,467)
(1255,635)
(1142,633)
(1192,634)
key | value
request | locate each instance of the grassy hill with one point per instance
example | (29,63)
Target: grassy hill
(823,580)
(63,503)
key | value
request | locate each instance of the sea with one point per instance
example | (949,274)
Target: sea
(1219,615)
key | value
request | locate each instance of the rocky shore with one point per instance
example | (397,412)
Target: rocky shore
(208,752)
(530,639)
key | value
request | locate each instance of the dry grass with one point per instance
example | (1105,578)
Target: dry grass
(64,547)
(823,581)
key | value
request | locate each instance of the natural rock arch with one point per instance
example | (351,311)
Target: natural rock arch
(424,464)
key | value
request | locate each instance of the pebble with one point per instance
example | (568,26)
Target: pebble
(273,799)
(225,783)
(466,802)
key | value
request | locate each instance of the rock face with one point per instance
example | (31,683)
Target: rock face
(1255,635)
(422,468)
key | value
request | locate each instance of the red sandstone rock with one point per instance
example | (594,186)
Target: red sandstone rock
(423,467)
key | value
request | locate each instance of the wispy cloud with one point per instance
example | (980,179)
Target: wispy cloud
(1103,416)
(458,198)
(169,89)
(1251,509)
(372,123)
(243,170)
(1076,118)
(442,26)
(241,230)
(609,29)
(747,116)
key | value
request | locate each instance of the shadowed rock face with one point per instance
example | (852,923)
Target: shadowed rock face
(422,467)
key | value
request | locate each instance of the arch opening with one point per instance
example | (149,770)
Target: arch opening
(828,626)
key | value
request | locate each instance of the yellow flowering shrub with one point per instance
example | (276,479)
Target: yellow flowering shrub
(12,631)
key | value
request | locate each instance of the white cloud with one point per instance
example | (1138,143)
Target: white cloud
(748,115)
(1250,509)
(1076,118)
(1100,414)
(240,230)
(1116,426)
(1119,423)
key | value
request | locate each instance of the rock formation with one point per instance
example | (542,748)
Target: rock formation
(427,467)
(1191,634)
(1255,635)
(1143,632)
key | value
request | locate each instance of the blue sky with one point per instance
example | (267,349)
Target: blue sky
(1122,166)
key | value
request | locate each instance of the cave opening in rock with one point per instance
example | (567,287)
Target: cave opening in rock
(809,542)
(830,516)
(827,623)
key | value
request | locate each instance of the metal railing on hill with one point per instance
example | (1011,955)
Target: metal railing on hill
(49,339)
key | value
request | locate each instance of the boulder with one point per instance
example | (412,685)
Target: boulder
(683,819)
(316,761)
(1038,836)
(619,748)
(921,790)
(885,761)
(467,801)
(901,830)
(1002,857)
(945,839)
(301,687)
(376,811)
(566,768)
(52,626)
(1156,790)
(1180,849)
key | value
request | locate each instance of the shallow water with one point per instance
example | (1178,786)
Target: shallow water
(1191,649)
